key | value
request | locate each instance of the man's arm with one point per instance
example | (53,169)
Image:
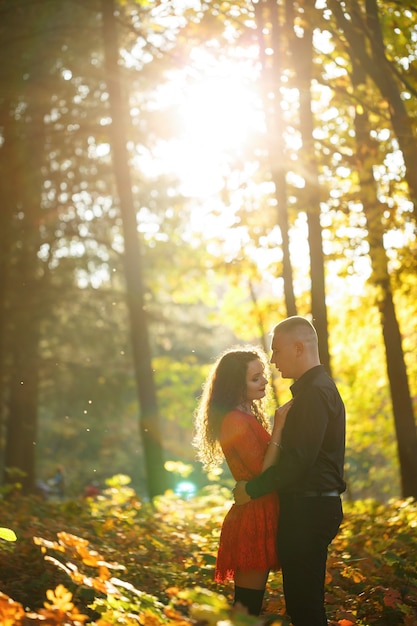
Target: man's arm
(241,493)
(245,491)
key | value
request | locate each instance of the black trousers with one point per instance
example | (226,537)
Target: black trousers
(307,525)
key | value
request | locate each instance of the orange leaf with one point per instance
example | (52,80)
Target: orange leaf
(172,591)
(11,612)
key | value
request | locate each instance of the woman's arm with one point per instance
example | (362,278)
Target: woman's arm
(271,456)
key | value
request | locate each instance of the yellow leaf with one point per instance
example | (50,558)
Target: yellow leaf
(61,599)
(7,534)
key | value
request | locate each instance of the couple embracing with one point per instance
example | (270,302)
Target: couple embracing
(287,507)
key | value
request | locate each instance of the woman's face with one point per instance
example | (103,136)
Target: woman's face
(255,381)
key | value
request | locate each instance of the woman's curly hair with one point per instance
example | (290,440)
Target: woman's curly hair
(223,390)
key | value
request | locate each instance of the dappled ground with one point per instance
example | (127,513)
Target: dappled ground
(114,559)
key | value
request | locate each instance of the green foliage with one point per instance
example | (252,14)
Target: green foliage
(117,560)
(358,367)
(207,288)
(371,561)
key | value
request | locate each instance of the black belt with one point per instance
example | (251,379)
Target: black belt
(309,494)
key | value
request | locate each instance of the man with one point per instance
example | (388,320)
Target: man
(309,473)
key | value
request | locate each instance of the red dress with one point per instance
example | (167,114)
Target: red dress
(249,531)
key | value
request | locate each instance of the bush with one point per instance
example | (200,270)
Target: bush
(117,560)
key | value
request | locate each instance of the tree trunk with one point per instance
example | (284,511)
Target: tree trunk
(149,418)
(27,146)
(271,79)
(6,159)
(404,419)
(22,427)
(302,54)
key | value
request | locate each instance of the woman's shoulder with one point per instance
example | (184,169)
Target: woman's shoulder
(235,425)
(238,419)
(237,415)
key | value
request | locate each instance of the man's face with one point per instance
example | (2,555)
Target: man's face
(284,351)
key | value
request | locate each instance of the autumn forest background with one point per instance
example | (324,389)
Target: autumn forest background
(178,176)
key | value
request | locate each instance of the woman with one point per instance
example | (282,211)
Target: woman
(230,423)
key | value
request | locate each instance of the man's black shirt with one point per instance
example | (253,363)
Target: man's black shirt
(313,441)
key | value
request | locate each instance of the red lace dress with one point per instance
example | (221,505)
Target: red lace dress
(249,531)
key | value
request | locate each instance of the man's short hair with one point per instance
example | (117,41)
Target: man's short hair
(296,325)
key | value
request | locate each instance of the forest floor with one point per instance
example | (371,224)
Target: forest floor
(113,559)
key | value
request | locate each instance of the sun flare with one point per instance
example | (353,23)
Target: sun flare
(219,114)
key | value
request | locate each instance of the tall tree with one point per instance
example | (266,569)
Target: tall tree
(303,62)
(133,261)
(6,157)
(361,25)
(46,169)
(359,30)
(24,383)
(25,136)
(270,34)
(405,425)
(276,31)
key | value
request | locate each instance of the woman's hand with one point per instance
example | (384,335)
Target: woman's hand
(273,452)
(280,417)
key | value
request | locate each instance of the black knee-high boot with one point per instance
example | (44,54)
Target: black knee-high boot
(252,599)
